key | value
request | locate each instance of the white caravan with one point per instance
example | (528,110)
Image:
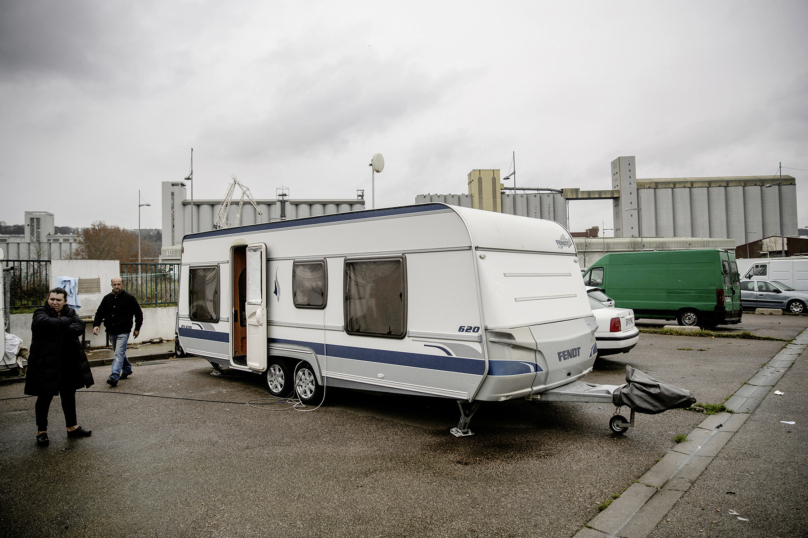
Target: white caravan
(790,271)
(429,299)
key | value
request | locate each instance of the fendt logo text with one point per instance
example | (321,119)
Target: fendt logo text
(564,242)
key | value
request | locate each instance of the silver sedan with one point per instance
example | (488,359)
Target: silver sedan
(772,294)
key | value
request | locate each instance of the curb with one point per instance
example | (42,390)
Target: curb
(639,509)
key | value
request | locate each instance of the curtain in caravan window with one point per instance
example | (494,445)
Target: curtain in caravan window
(375,303)
(309,284)
(204,294)
(254,284)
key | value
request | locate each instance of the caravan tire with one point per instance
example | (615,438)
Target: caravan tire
(307,388)
(278,378)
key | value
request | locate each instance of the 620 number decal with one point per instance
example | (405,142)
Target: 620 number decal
(467,329)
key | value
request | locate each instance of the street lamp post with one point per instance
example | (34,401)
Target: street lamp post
(639,225)
(139,205)
(604,235)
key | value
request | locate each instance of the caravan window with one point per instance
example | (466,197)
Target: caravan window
(310,284)
(203,296)
(376,297)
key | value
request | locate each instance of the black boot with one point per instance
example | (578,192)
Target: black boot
(79,432)
(42,439)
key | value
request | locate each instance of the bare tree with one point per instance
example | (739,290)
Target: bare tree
(104,242)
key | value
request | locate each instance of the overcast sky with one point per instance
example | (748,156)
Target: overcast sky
(100,99)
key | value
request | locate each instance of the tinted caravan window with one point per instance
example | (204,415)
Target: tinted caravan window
(309,284)
(203,296)
(376,297)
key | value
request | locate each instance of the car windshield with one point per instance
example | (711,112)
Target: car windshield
(782,286)
(596,305)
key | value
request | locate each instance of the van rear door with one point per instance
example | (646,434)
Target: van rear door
(734,289)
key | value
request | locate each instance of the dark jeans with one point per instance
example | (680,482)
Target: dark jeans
(68,406)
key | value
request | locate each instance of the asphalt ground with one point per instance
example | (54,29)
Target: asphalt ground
(160,463)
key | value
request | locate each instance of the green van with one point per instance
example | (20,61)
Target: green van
(694,287)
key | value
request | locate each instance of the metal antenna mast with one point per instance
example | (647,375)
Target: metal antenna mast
(191,179)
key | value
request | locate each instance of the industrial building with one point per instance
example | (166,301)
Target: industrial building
(40,241)
(742,208)
(178,212)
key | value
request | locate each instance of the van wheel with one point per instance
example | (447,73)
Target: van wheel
(306,386)
(796,307)
(279,382)
(688,318)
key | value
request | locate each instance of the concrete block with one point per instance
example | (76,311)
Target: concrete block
(682,329)
(664,469)
(589,533)
(695,439)
(622,509)
(735,403)
(688,474)
(767,376)
(713,421)
(753,391)
(734,423)
(749,405)
(714,444)
(644,521)
(769,311)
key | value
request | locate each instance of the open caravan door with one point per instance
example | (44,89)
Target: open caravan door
(256,306)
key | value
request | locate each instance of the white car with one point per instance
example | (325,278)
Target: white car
(616,331)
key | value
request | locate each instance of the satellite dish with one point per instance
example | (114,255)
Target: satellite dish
(377,162)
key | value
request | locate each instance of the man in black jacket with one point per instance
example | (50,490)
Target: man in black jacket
(116,311)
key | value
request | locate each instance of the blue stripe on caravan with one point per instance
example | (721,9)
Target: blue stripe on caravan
(398,358)
(512,368)
(417,360)
(205,335)
(326,219)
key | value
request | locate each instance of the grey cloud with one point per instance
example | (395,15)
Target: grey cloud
(330,103)
(49,37)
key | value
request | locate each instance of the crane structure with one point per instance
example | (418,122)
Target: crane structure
(221,218)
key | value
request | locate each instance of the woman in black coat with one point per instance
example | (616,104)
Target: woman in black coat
(57,363)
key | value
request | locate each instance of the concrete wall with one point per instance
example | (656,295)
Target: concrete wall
(157,323)
(105,270)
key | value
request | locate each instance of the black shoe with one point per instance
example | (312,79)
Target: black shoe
(124,376)
(42,439)
(79,432)
(112,382)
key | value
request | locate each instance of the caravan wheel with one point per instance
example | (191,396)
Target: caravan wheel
(278,378)
(308,389)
